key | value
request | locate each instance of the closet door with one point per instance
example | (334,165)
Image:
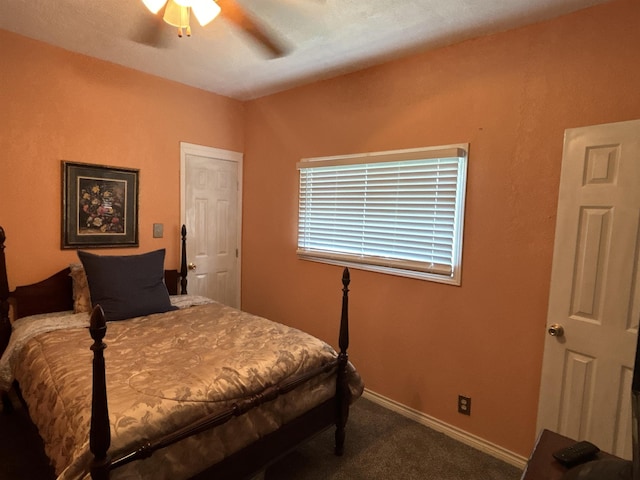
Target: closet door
(212,215)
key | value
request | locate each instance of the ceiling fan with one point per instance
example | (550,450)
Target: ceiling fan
(178,13)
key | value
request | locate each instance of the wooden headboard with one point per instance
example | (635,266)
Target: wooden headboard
(55,294)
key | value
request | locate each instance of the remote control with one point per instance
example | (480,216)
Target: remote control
(577,453)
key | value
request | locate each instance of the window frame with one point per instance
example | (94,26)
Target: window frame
(459,151)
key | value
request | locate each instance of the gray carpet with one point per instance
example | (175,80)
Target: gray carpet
(380,445)
(385,445)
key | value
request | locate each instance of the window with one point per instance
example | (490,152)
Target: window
(398,212)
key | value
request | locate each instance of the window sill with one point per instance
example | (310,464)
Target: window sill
(430,277)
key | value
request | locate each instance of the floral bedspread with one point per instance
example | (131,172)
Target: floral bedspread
(26,328)
(165,371)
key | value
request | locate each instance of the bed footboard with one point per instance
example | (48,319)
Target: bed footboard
(252,458)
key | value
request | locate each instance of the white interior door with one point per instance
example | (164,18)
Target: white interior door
(212,215)
(595,289)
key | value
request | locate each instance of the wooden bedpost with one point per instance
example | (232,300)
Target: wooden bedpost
(183,262)
(5,323)
(343,394)
(100,434)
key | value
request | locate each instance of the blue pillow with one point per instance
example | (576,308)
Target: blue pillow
(127,286)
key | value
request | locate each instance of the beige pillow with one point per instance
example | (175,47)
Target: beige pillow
(81,295)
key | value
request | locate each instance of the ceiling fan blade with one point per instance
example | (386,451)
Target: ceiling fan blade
(237,15)
(151,30)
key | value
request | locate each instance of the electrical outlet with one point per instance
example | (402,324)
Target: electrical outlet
(464,405)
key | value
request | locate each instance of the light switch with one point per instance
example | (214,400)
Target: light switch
(158,230)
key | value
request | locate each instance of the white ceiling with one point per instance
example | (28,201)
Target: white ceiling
(325,37)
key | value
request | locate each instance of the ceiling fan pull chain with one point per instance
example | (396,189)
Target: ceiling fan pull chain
(180,32)
(188,30)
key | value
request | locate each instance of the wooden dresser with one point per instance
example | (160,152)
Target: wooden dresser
(542,465)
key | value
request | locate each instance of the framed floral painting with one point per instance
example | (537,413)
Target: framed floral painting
(99,206)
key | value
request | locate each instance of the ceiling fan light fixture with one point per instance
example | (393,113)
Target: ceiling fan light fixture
(176,15)
(205,10)
(178,12)
(154,6)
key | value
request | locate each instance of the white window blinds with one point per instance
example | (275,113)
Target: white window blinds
(394,211)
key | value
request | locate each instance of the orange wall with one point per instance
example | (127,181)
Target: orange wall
(56,106)
(511,96)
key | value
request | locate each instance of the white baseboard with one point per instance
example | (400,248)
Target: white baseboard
(454,432)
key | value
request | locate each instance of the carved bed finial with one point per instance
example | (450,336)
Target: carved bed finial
(344,321)
(183,262)
(4,282)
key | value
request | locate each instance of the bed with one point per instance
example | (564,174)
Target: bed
(188,389)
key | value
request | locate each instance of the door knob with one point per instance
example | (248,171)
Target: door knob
(556,330)
(191,266)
